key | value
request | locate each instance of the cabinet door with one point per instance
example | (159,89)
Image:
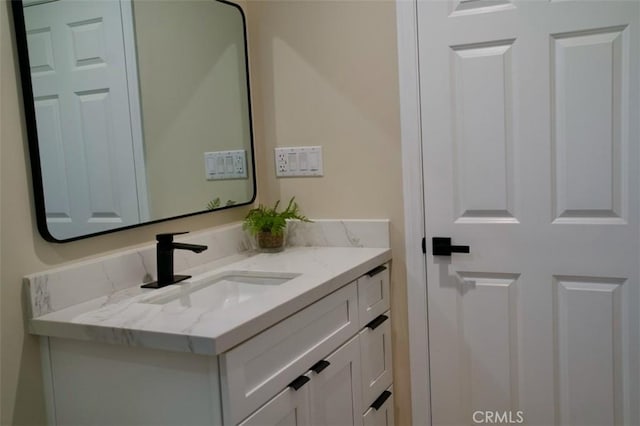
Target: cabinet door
(375,346)
(381,411)
(336,391)
(373,294)
(288,408)
(259,368)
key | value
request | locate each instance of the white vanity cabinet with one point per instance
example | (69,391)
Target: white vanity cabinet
(327,364)
(329,397)
(258,369)
(270,369)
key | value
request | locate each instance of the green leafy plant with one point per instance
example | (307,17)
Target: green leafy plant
(216,203)
(213,204)
(263,219)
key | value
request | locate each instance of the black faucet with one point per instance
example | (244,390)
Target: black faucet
(164,259)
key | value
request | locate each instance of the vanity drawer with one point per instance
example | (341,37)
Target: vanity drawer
(373,294)
(375,352)
(256,370)
(281,409)
(381,412)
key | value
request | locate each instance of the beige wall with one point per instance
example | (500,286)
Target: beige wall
(325,73)
(24,252)
(202,109)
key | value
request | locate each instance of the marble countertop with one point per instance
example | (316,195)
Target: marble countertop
(123,317)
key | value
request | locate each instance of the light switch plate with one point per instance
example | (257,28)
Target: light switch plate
(222,165)
(299,161)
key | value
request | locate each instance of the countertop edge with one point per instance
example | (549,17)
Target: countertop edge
(203,345)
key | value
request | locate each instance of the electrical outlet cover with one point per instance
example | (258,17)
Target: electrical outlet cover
(299,161)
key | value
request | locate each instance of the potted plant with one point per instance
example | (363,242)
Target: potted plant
(268,225)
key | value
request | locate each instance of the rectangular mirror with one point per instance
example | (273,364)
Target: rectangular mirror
(137,111)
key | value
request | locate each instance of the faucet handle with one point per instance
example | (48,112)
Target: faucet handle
(167,237)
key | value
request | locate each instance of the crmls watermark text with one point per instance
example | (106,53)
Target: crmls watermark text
(498,417)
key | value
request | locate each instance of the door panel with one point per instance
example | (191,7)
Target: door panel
(483,131)
(50,128)
(587,140)
(489,325)
(588,316)
(476,359)
(82,108)
(530,152)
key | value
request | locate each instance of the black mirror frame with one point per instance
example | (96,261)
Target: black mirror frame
(32,132)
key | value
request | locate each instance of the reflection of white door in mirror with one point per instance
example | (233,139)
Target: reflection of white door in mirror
(88,116)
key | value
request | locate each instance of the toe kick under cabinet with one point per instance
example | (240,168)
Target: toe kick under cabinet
(328,364)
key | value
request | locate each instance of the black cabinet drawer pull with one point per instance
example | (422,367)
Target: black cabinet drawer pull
(319,366)
(376,322)
(380,400)
(299,382)
(376,271)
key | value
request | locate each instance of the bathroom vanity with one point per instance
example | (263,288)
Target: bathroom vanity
(298,337)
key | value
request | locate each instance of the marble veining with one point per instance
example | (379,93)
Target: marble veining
(41,301)
(72,284)
(101,299)
(339,233)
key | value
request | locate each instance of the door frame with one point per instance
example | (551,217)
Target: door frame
(414,219)
(135,107)
(412,135)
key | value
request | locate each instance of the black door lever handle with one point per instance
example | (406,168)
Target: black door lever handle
(442,247)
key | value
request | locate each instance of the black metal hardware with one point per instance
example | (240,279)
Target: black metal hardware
(319,366)
(376,322)
(168,236)
(299,382)
(376,271)
(164,259)
(380,400)
(424,245)
(442,247)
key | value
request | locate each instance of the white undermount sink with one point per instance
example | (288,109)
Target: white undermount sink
(221,290)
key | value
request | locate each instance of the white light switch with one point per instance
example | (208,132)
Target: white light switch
(228,164)
(292,158)
(313,161)
(211,165)
(299,161)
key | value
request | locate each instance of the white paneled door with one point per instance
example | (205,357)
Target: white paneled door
(530,118)
(85,129)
